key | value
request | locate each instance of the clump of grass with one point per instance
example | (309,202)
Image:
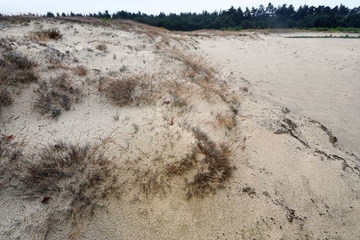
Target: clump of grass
(11,167)
(81,70)
(123,69)
(46,34)
(226,120)
(60,165)
(211,162)
(116,116)
(5,44)
(177,101)
(195,64)
(75,180)
(16,68)
(217,166)
(128,91)
(102,47)
(5,98)
(57,94)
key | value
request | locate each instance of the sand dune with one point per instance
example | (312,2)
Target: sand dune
(124,131)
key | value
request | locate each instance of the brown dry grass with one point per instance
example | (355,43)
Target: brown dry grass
(226,120)
(211,160)
(5,98)
(75,180)
(46,35)
(56,94)
(81,70)
(102,47)
(16,68)
(218,168)
(130,91)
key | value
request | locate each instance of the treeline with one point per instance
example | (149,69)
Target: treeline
(284,16)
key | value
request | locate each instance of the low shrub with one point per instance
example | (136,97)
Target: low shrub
(46,34)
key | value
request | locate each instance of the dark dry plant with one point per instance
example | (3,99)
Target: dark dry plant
(5,98)
(80,177)
(81,70)
(210,160)
(102,47)
(57,94)
(196,64)
(218,168)
(128,91)
(226,120)
(11,167)
(6,44)
(46,34)
(16,68)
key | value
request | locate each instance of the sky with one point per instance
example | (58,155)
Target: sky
(14,7)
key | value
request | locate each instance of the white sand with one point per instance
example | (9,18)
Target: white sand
(290,181)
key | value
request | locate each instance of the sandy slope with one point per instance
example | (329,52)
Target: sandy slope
(317,78)
(277,103)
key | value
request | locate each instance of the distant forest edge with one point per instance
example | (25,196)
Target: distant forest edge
(270,17)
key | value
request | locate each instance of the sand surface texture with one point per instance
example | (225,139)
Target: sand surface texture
(124,131)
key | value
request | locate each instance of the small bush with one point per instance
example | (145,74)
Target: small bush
(226,120)
(134,90)
(211,162)
(44,35)
(73,179)
(16,68)
(57,94)
(5,98)
(81,70)
(217,170)
(102,47)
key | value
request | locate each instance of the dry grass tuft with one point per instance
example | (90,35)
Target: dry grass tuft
(216,167)
(57,94)
(211,163)
(81,70)
(73,179)
(16,68)
(5,44)
(46,35)
(226,120)
(195,64)
(102,47)
(200,72)
(129,91)
(81,170)
(5,98)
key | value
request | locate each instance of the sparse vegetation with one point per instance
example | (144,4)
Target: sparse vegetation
(123,69)
(226,120)
(102,47)
(16,68)
(217,170)
(56,94)
(177,100)
(81,70)
(5,98)
(74,179)
(46,35)
(116,116)
(133,90)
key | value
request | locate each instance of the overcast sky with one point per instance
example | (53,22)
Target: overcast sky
(146,6)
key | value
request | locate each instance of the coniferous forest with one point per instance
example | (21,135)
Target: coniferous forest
(263,17)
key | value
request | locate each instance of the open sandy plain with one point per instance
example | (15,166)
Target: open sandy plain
(124,131)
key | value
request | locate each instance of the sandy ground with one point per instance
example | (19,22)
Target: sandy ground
(317,78)
(285,108)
